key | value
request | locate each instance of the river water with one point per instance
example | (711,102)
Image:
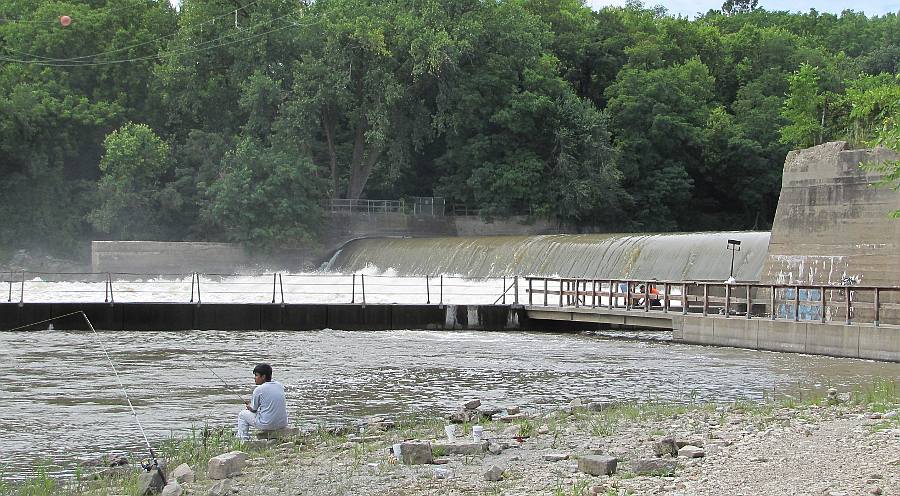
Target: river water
(61,401)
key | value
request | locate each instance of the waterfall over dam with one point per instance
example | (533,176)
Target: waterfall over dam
(684,256)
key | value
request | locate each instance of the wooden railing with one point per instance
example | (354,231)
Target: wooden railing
(809,303)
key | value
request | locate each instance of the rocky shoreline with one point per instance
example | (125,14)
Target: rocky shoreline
(842,444)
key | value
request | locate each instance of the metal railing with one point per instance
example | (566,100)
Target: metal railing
(428,206)
(346,205)
(277,287)
(808,303)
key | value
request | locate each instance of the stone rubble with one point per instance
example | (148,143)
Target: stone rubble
(835,449)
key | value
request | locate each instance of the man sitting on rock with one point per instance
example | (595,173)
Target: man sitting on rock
(267,410)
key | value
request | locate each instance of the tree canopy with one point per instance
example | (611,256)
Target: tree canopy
(227,120)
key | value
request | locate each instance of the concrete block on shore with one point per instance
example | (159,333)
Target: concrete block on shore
(226,465)
(286,433)
(653,466)
(597,464)
(691,452)
(416,453)
(461,447)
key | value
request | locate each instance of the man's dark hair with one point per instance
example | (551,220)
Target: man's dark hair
(265,370)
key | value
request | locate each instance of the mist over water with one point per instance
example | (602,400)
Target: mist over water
(66,405)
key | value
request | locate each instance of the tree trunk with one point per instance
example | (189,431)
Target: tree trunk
(354,189)
(328,124)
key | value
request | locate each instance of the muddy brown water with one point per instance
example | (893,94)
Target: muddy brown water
(61,402)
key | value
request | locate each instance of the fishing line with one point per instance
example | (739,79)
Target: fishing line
(227,386)
(154,463)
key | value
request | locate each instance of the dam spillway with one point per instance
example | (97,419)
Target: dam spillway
(681,256)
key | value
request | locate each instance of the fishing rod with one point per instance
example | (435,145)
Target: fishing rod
(227,386)
(153,463)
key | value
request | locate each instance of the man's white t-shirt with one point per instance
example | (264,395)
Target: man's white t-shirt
(271,409)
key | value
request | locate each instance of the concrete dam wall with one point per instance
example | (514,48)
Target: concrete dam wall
(831,225)
(692,256)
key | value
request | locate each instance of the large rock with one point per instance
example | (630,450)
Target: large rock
(597,464)
(464,416)
(681,443)
(286,433)
(494,474)
(226,465)
(471,404)
(653,466)
(416,453)
(183,473)
(172,489)
(665,447)
(461,448)
(691,452)
(220,488)
(151,482)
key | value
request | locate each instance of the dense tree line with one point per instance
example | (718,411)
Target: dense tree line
(235,119)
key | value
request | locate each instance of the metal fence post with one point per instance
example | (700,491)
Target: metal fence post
(545,291)
(684,299)
(665,297)
(822,303)
(749,302)
(727,300)
(577,283)
(362,282)
(516,289)
(22,290)
(9,298)
(192,287)
(560,291)
(442,289)
(281,287)
(504,290)
(530,292)
(353,291)
(705,299)
(427,291)
(274,280)
(611,301)
(198,289)
(112,296)
(848,304)
(877,304)
(773,303)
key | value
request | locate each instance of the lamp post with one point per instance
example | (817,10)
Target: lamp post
(733,245)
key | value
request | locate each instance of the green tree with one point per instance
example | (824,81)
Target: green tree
(658,117)
(876,119)
(266,197)
(133,166)
(802,109)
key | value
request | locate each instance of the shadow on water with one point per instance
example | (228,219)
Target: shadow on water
(69,405)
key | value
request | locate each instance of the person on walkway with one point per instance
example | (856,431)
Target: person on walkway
(267,409)
(654,302)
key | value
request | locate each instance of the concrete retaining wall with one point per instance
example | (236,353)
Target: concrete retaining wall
(253,316)
(831,224)
(854,341)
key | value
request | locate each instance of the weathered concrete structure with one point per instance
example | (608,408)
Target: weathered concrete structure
(832,225)
(185,257)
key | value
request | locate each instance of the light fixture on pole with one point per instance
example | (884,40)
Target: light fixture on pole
(733,245)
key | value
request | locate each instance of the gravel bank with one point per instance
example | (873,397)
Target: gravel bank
(835,447)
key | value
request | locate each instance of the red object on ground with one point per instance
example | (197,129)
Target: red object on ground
(65,20)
